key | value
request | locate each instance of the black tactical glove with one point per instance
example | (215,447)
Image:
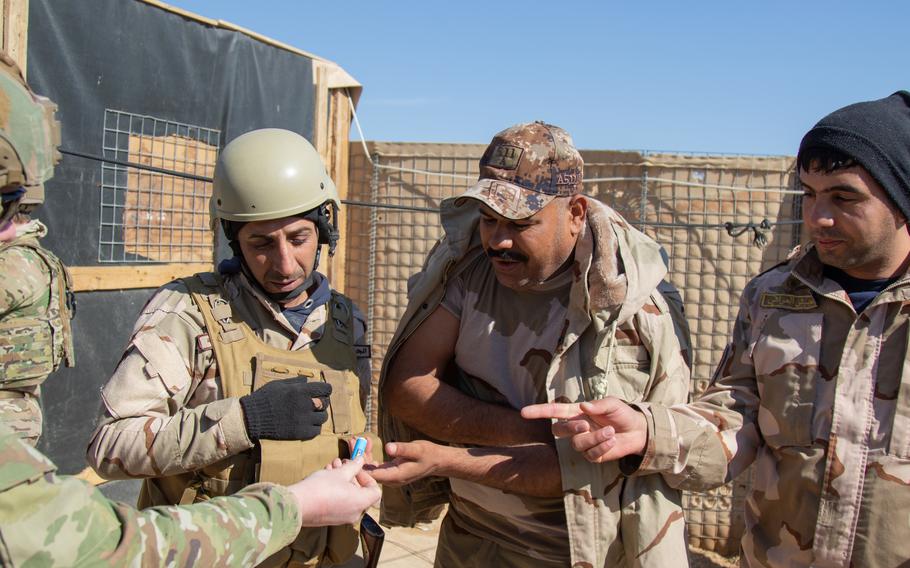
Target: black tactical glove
(284,410)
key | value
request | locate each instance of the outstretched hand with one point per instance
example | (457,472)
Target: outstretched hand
(409,462)
(336,495)
(603,430)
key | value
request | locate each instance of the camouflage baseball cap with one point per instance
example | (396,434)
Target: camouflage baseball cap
(525,167)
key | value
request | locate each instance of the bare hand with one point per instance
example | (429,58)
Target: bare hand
(337,495)
(602,430)
(410,461)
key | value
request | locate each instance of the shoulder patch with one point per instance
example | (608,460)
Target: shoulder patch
(800,302)
(363,351)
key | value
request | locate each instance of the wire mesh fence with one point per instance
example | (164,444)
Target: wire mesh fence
(722,219)
(148,216)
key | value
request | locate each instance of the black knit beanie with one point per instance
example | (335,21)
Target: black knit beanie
(876,134)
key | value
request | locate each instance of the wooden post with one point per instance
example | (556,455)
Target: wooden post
(331,130)
(14,28)
(321,111)
(339,157)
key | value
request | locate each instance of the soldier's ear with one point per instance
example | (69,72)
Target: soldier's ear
(577,210)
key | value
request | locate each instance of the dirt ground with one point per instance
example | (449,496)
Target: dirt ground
(704,559)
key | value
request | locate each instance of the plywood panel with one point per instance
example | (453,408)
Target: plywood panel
(166,218)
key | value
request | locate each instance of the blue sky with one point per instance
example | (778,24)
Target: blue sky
(711,76)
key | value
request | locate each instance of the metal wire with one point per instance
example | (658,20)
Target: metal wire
(155,185)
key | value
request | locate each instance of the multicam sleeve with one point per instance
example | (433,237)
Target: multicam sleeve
(23,279)
(708,442)
(241,530)
(159,415)
(63,521)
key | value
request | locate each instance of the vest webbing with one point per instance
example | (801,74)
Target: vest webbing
(246,363)
(32,347)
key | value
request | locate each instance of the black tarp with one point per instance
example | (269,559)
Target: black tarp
(125,55)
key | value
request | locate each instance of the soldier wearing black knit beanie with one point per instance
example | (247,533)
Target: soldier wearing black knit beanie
(854,168)
(875,135)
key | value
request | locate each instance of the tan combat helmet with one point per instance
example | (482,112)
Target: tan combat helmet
(29,136)
(271,174)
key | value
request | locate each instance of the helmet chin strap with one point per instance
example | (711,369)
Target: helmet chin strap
(325,228)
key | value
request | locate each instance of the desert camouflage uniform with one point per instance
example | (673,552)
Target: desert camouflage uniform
(46,521)
(28,318)
(611,520)
(163,412)
(819,398)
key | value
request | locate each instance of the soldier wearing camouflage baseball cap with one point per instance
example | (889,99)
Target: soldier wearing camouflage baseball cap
(814,386)
(536,293)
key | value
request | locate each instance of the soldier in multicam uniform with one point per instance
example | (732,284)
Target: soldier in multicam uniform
(35,310)
(536,293)
(815,384)
(49,520)
(256,373)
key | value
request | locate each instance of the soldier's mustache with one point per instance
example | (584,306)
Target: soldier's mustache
(507,255)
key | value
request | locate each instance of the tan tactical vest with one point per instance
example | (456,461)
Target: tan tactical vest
(32,347)
(246,363)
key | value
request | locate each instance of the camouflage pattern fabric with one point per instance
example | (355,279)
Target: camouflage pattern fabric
(525,167)
(23,415)
(507,365)
(819,398)
(48,520)
(611,520)
(27,347)
(163,411)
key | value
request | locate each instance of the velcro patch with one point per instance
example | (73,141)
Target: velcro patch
(504,157)
(788,301)
(363,351)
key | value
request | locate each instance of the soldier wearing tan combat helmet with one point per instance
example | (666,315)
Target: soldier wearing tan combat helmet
(536,293)
(814,387)
(51,520)
(257,372)
(35,295)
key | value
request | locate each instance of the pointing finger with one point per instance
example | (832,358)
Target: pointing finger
(550,410)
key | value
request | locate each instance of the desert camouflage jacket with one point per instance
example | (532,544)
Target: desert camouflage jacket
(49,520)
(819,398)
(163,412)
(618,340)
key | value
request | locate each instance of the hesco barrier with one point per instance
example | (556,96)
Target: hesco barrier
(722,219)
